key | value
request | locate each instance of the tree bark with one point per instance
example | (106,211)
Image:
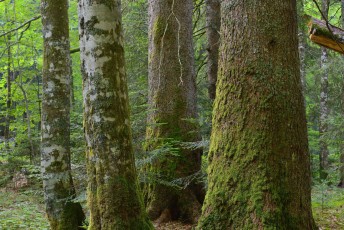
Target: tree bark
(324,107)
(172,109)
(259,166)
(9,95)
(56,166)
(113,193)
(213,23)
(341,167)
(302,42)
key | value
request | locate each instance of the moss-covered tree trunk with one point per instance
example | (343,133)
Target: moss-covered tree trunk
(113,193)
(213,23)
(172,109)
(259,172)
(324,107)
(56,167)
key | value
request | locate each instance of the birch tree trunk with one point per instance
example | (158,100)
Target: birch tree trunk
(113,193)
(213,23)
(259,172)
(56,167)
(324,107)
(172,109)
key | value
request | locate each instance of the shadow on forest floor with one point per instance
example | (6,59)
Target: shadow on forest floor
(24,209)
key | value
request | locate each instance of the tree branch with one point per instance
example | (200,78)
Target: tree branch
(28,22)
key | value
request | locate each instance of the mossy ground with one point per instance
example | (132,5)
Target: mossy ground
(24,209)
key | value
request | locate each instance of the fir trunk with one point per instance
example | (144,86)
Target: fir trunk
(259,172)
(172,107)
(213,23)
(324,107)
(62,212)
(113,193)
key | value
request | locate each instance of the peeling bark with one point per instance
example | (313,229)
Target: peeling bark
(113,193)
(55,157)
(172,109)
(259,167)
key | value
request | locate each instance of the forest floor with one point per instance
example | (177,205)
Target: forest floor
(24,209)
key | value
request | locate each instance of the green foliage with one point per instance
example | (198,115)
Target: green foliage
(22,211)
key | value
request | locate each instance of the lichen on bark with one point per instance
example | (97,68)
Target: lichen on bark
(58,187)
(113,194)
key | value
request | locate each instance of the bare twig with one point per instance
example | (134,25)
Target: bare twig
(28,22)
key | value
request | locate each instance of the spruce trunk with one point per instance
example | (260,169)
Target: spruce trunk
(59,191)
(113,193)
(172,110)
(259,172)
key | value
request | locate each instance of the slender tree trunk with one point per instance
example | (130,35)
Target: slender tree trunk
(259,172)
(302,42)
(341,168)
(113,193)
(9,91)
(172,107)
(324,108)
(213,23)
(56,166)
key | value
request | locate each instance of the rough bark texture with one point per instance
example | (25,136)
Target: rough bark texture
(113,193)
(259,172)
(172,107)
(213,23)
(56,169)
(324,107)
(341,168)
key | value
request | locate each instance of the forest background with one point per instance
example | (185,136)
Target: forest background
(21,59)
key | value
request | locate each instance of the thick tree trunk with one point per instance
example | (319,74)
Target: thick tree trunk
(56,168)
(113,192)
(259,172)
(324,108)
(172,106)
(213,23)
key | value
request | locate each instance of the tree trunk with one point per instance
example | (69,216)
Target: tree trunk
(56,167)
(113,193)
(259,166)
(302,42)
(9,92)
(213,23)
(172,107)
(341,167)
(324,107)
